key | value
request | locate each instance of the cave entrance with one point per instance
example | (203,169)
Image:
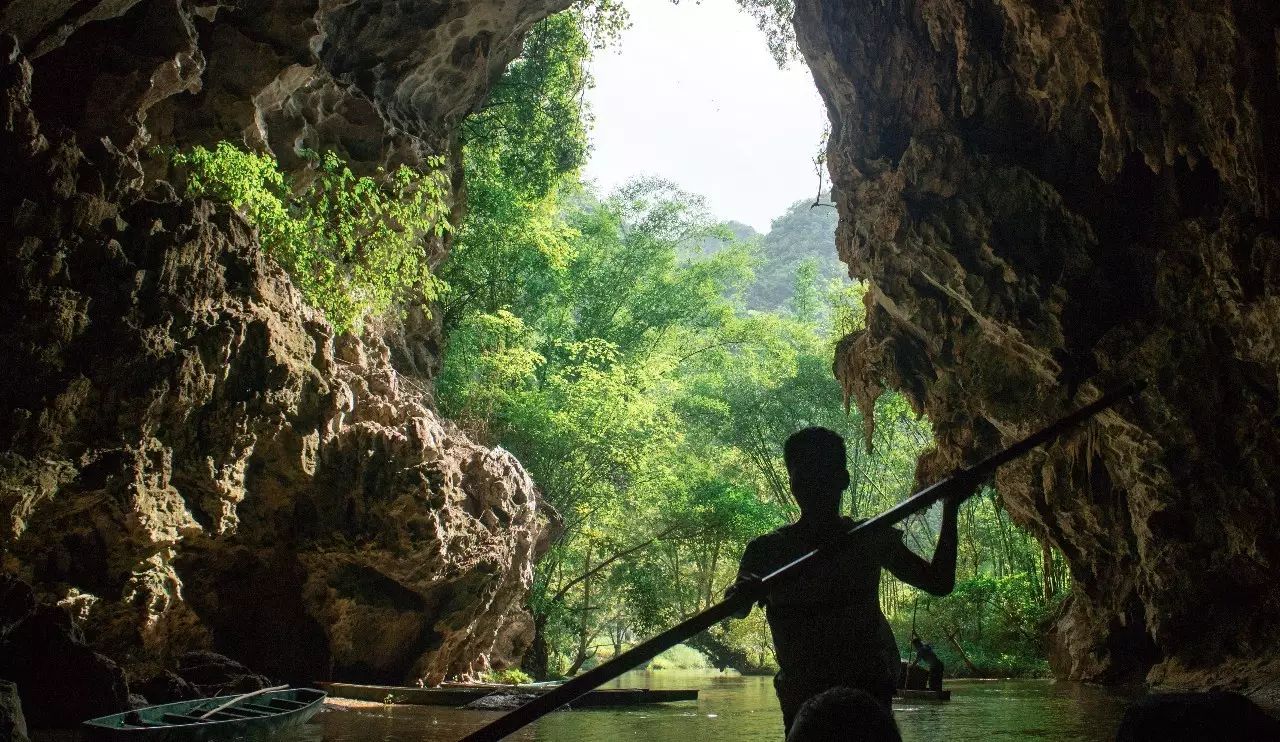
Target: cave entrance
(645,301)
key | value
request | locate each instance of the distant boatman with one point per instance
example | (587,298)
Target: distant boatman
(828,630)
(924,653)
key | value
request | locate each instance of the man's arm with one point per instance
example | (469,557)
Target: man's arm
(748,571)
(936,577)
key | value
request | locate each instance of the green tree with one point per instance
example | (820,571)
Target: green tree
(804,302)
(520,155)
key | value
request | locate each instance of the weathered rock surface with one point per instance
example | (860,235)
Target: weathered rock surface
(189,459)
(166,686)
(212,674)
(1052,196)
(13,726)
(380,83)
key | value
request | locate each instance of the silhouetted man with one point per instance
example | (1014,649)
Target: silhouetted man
(827,627)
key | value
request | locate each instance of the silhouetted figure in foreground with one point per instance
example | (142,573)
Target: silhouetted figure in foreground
(1188,717)
(843,715)
(827,627)
(924,653)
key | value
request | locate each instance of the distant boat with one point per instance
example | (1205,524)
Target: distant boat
(222,718)
(461,694)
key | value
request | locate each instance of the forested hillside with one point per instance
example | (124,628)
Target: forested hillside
(800,242)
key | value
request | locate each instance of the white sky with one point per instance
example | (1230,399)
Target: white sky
(692,95)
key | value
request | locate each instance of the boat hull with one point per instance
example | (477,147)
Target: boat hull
(457,696)
(275,712)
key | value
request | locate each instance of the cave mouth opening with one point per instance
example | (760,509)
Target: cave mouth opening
(645,351)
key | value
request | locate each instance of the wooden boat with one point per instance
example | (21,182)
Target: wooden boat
(220,718)
(912,685)
(462,694)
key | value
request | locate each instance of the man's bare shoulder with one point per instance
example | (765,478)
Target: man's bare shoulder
(773,540)
(771,550)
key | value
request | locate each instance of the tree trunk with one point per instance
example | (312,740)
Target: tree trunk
(536,661)
(584,623)
(951,637)
(1046,556)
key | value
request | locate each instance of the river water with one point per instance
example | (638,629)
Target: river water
(744,708)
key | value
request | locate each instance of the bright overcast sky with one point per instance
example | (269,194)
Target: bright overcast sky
(692,95)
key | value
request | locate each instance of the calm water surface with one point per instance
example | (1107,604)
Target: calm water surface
(744,708)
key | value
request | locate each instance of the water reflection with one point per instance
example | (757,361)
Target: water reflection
(743,708)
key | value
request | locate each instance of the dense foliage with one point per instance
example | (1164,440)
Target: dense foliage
(353,245)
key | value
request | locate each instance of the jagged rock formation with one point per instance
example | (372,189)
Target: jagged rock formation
(189,458)
(13,726)
(379,83)
(1057,196)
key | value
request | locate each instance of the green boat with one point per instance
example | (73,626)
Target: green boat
(225,717)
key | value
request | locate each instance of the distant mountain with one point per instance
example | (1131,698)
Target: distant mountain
(803,232)
(741,233)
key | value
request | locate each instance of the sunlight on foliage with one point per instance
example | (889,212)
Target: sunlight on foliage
(353,245)
(510,676)
(602,21)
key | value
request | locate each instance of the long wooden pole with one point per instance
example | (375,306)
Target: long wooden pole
(240,698)
(749,593)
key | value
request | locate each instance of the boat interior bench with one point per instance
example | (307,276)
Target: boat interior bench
(243,713)
(183,719)
(286,704)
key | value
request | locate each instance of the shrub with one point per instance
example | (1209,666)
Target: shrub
(510,676)
(353,245)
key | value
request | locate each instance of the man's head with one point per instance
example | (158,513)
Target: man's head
(843,715)
(815,459)
(915,641)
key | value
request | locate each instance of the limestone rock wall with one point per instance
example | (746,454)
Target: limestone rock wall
(379,82)
(189,459)
(1052,197)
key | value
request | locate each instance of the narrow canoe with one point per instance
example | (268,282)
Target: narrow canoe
(254,716)
(461,695)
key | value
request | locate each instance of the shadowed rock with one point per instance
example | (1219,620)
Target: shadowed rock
(1191,717)
(13,725)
